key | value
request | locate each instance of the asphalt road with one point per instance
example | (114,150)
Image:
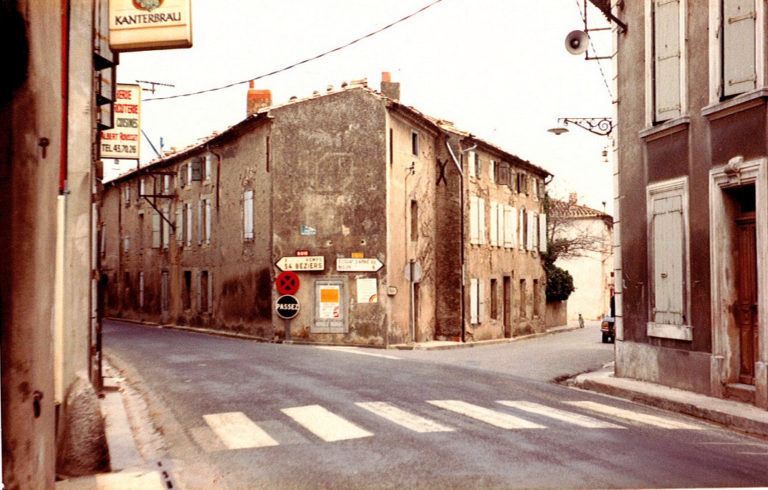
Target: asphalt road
(239,414)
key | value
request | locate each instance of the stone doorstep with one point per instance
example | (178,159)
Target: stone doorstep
(733,414)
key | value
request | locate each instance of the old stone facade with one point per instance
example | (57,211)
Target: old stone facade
(362,198)
(692,187)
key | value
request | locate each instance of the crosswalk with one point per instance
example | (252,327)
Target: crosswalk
(235,430)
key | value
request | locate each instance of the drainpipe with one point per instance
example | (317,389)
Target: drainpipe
(409,263)
(461,206)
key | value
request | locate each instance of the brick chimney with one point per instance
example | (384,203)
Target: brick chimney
(388,87)
(573,198)
(257,99)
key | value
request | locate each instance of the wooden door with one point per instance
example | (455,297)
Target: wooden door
(746,303)
(507,306)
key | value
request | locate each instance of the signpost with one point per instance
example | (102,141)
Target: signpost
(358,264)
(287,307)
(307,263)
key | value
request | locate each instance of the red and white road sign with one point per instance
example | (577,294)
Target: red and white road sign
(287,282)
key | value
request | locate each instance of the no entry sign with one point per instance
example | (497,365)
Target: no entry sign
(287,282)
(287,307)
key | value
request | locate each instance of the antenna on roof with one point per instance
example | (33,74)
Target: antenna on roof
(154,84)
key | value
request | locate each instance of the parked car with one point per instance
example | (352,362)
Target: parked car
(608,329)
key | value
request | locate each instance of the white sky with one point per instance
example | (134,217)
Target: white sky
(496,68)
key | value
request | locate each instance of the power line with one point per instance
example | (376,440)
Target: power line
(592,47)
(294,65)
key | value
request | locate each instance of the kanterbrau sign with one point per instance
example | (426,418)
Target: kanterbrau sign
(138,25)
(123,140)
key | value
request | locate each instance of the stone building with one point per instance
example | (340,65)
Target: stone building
(361,197)
(590,232)
(692,196)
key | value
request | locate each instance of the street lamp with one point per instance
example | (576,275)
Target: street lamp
(601,126)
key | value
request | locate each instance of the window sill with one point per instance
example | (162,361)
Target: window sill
(739,103)
(666,128)
(666,331)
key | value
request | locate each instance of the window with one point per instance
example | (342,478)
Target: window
(189,224)
(166,228)
(248,215)
(180,225)
(207,221)
(200,221)
(183,175)
(494,299)
(186,296)
(164,291)
(522,229)
(510,226)
(666,58)
(478,166)
(476,220)
(471,162)
(127,195)
(543,233)
(126,243)
(536,297)
(141,290)
(530,232)
(156,229)
(415,143)
(414,220)
(476,301)
(166,184)
(668,247)
(522,183)
(208,167)
(189,173)
(196,169)
(494,224)
(142,187)
(739,70)
(523,298)
(494,172)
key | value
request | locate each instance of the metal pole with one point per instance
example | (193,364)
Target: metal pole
(287,330)
(413,305)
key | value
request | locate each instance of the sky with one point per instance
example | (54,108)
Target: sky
(496,68)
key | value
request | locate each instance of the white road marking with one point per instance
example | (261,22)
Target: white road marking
(237,431)
(492,417)
(630,415)
(562,415)
(400,417)
(324,424)
(356,350)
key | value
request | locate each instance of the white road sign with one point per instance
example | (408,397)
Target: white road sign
(358,264)
(309,263)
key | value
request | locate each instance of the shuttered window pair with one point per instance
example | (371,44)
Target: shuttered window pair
(476,301)
(476,220)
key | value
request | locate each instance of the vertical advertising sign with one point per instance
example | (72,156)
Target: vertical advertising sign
(123,140)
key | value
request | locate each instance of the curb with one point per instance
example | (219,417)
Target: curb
(732,414)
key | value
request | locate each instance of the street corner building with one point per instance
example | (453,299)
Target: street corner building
(400,227)
(692,196)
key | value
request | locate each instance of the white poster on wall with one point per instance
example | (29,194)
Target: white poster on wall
(367,290)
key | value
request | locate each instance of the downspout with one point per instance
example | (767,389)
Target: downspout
(409,262)
(461,221)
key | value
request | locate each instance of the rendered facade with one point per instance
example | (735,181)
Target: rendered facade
(361,197)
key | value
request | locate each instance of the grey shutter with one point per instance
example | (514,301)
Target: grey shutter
(180,225)
(474,235)
(543,233)
(156,229)
(739,74)
(200,224)
(667,229)
(207,221)
(196,169)
(666,43)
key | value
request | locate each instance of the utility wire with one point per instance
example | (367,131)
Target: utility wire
(592,47)
(300,62)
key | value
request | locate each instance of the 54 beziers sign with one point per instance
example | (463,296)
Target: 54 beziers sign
(138,25)
(287,306)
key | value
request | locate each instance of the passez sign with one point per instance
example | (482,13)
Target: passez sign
(123,140)
(287,307)
(138,25)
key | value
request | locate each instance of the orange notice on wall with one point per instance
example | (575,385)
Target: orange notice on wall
(329,295)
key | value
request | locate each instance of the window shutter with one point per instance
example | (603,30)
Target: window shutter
(183,175)
(543,233)
(200,224)
(199,291)
(474,234)
(210,291)
(529,231)
(473,301)
(481,218)
(521,229)
(494,223)
(509,230)
(666,46)
(180,225)
(208,165)
(668,260)
(493,169)
(500,229)
(739,74)
(166,184)
(480,301)
(196,169)
(166,228)
(248,214)
(189,224)
(155,229)
(208,222)
(471,160)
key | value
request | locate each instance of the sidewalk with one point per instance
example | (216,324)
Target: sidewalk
(129,470)
(732,414)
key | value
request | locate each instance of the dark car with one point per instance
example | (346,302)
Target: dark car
(607,326)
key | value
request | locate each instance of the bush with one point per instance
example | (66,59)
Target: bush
(559,283)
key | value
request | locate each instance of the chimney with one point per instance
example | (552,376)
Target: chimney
(573,198)
(257,99)
(389,88)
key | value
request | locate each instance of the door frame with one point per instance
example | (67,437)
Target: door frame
(724,365)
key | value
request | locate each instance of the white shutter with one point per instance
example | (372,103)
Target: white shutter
(500,229)
(200,227)
(493,171)
(248,214)
(207,221)
(189,224)
(155,229)
(531,231)
(666,43)
(474,235)
(668,260)
(521,230)
(494,223)
(543,233)
(471,159)
(480,301)
(166,228)
(481,219)
(739,74)
(180,225)
(509,227)
(473,301)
